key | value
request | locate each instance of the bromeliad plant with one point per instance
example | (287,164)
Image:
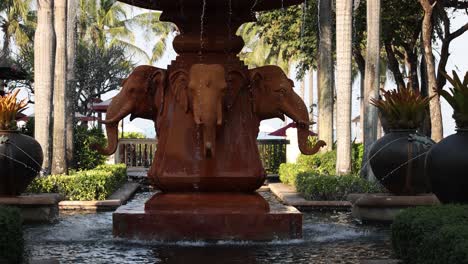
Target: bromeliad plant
(458,99)
(9,108)
(401,109)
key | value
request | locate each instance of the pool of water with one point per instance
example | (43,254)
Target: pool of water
(330,237)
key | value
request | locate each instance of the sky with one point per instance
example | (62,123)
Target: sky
(457,61)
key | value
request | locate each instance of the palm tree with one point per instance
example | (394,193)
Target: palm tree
(14,22)
(372,80)
(344,13)
(311,95)
(72,9)
(44,54)
(105,23)
(257,52)
(325,75)
(59,161)
(150,21)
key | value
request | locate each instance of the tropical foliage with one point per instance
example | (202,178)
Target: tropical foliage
(9,108)
(401,109)
(17,23)
(86,157)
(458,98)
(98,70)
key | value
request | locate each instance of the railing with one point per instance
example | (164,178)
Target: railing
(272,153)
(139,153)
(136,152)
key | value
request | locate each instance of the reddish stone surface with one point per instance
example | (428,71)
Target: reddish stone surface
(225,216)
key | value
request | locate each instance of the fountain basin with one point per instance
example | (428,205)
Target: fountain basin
(384,207)
(207,217)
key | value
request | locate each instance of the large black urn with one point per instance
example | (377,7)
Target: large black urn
(20,161)
(447,168)
(397,161)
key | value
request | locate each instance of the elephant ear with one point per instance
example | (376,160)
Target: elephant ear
(236,80)
(256,81)
(179,87)
(257,88)
(156,88)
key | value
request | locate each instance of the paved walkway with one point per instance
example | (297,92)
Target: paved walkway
(289,196)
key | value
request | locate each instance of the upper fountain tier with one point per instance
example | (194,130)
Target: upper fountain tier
(254,5)
(209,26)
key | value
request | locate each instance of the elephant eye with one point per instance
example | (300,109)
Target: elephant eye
(281,91)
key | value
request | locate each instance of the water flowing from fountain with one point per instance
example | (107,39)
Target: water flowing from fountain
(377,152)
(202,22)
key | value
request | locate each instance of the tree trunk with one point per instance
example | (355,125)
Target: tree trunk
(344,14)
(371,81)
(59,163)
(434,105)
(311,95)
(325,75)
(361,64)
(44,57)
(426,128)
(393,65)
(71,93)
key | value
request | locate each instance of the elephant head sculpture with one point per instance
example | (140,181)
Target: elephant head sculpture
(274,97)
(141,96)
(201,90)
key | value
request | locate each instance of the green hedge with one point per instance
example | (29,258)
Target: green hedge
(325,162)
(436,234)
(96,184)
(11,235)
(319,187)
(289,171)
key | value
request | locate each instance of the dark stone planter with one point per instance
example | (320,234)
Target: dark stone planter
(397,161)
(446,167)
(20,161)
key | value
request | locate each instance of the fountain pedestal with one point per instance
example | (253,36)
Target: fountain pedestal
(207,216)
(207,107)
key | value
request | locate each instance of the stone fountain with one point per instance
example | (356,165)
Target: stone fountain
(207,107)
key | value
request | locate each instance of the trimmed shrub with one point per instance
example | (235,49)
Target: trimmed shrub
(289,171)
(85,157)
(433,234)
(11,238)
(96,184)
(314,186)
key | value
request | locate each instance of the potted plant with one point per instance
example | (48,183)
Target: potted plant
(446,162)
(397,159)
(20,155)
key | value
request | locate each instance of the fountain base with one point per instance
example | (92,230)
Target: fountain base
(207,216)
(384,207)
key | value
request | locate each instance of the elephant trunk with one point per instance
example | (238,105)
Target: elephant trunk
(302,139)
(297,111)
(116,111)
(112,135)
(209,140)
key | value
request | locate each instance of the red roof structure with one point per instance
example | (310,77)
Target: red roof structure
(282,131)
(102,106)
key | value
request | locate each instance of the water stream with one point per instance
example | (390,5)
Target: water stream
(87,238)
